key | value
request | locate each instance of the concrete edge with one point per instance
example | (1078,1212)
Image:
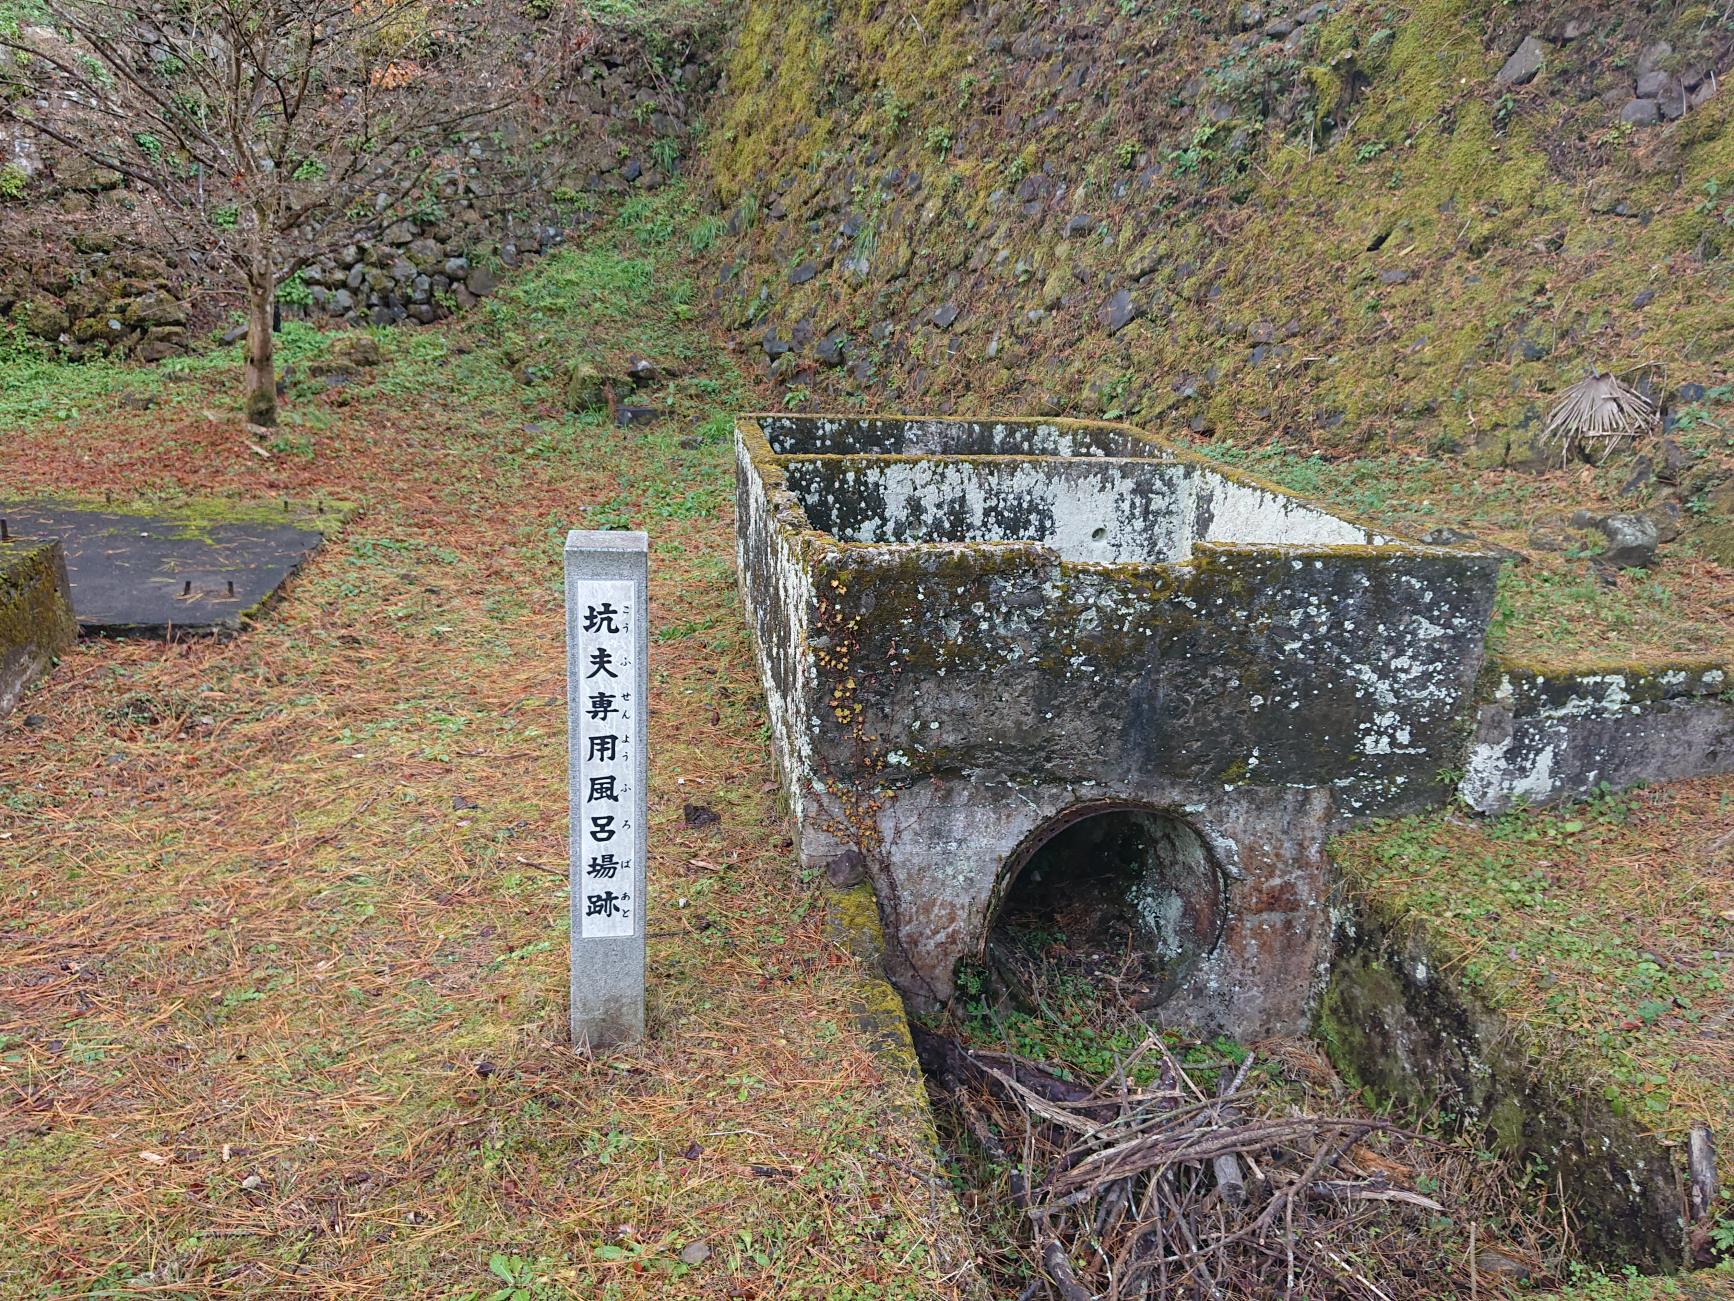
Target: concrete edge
(852,921)
(36,620)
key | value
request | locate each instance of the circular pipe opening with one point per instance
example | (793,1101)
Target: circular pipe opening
(1121,896)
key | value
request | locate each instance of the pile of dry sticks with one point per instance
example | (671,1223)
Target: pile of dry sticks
(1171,1190)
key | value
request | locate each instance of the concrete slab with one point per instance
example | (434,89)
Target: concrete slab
(142,575)
(35,615)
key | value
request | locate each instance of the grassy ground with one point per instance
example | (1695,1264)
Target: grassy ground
(281,1005)
(282,993)
(1603,930)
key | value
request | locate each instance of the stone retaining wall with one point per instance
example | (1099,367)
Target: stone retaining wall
(83,265)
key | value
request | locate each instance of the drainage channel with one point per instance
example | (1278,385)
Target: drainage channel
(1102,1155)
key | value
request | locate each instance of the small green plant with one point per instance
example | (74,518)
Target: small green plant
(1713,205)
(939,140)
(525,1280)
(666,153)
(294,292)
(1371,150)
(13,181)
(1127,152)
(895,110)
(226,217)
(311,169)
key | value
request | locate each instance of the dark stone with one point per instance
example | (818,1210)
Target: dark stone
(1524,63)
(1688,393)
(1393,276)
(1641,112)
(1446,537)
(1676,460)
(1497,1265)
(847,869)
(481,282)
(1643,471)
(775,347)
(1277,28)
(626,415)
(1667,518)
(631,169)
(699,816)
(1118,312)
(1643,298)
(1653,56)
(944,315)
(803,273)
(641,370)
(1531,349)
(1652,84)
(830,349)
(1081,224)
(1632,541)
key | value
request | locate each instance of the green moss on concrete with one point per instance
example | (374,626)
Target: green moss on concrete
(36,622)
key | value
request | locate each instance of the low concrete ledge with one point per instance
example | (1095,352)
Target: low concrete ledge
(1543,736)
(36,622)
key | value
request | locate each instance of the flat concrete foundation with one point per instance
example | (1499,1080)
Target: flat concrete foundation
(36,622)
(155,576)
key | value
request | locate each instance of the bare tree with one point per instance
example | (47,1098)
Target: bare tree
(271,132)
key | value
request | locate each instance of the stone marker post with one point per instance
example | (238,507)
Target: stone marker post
(608,704)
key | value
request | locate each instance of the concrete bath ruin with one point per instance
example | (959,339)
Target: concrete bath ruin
(997,648)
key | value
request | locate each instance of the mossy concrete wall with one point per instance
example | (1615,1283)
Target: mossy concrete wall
(1542,736)
(1396,1020)
(36,622)
(939,704)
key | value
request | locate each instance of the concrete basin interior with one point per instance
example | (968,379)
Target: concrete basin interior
(1091,494)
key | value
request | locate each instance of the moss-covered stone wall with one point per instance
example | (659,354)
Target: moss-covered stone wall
(1345,224)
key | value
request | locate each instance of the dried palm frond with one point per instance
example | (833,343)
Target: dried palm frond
(1598,410)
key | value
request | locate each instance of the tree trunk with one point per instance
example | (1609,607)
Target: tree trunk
(261,369)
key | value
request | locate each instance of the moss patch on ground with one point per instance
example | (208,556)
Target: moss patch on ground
(1602,931)
(285,984)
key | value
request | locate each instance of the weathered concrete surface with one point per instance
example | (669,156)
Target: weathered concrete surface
(1395,1020)
(951,668)
(143,575)
(1541,737)
(36,621)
